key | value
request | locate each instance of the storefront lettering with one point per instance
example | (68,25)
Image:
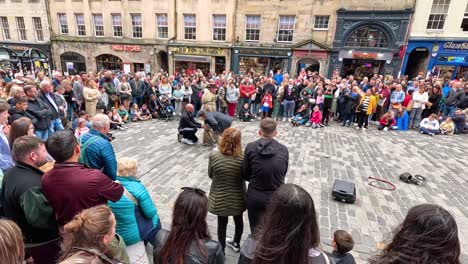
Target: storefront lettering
(134,48)
(198,51)
(364,55)
(462,46)
(18,48)
(265,52)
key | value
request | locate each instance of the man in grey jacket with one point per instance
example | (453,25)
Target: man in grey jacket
(215,124)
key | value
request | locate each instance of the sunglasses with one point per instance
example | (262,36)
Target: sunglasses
(193,189)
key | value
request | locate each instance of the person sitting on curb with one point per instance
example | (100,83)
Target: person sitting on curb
(188,126)
(215,124)
(429,125)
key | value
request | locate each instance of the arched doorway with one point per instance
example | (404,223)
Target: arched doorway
(308,64)
(163,60)
(417,62)
(73,63)
(108,62)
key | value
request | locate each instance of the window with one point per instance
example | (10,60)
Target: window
(219,27)
(63,24)
(137,29)
(161,23)
(80,25)
(98,25)
(117,25)
(286,28)
(464,25)
(321,22)
(190,24)
(252,28)
(438,13)
(5,28)
(37,24)
(21,28)
(367,37)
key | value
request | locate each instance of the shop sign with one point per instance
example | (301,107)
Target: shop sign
(147,67)
(456,46)
(364,55)
(17,47)
(198,51)
(264,52)
(134,48)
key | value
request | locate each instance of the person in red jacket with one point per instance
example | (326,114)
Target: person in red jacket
(246,90)
(316,118)
(267,104)
(387,121)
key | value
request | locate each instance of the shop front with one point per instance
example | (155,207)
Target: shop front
(75,57)
(188,59)
(310,56)
(368,43)
(25,57)
(441,58)
(260,61)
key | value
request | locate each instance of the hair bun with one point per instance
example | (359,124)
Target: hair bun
(75,224)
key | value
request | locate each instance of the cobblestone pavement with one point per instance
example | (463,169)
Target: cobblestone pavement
(317,158)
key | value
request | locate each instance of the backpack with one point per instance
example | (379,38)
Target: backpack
(83,159)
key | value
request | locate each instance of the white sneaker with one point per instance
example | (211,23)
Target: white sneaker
(215,149)
(284,119)
(289,120)
(358,128)
(364,129)
(186,141)
(385,129)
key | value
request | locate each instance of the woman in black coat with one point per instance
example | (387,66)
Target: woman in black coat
(435,96)
(352,103)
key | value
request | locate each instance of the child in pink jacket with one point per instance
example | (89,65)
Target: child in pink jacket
(316,118)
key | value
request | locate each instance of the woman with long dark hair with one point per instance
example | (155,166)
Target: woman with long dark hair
(22,126)
(189,240)
(290,233)
(432,106)
(428,235)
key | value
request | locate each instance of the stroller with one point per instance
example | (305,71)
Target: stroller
(166,110)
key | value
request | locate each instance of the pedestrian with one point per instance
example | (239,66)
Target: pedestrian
(265,166)
(227,193)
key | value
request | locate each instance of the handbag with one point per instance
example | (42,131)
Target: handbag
(382,101)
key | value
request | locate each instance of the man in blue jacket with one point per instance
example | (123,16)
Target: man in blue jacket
(96,149)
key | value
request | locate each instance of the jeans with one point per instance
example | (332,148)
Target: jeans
(55,125)
(254,109)
(415,117)
(256,210)
(429,131)
(288,111)
(150,237)
(42,134)
(222,225)
(137,99)
(349,117)
(449,110)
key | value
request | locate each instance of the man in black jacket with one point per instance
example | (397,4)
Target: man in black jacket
(265,166)
(39,110)
(455,98)
(21,105)
(24,203)
(215,124)
(46,94)
(188,126)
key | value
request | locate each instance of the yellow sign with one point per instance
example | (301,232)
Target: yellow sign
(198,51)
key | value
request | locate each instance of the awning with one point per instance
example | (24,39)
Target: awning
(192,58)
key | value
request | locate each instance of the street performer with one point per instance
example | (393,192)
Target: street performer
(188,126)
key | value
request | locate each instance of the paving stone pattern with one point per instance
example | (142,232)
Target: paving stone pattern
(317,158)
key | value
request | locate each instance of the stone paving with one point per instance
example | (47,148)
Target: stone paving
(317,158)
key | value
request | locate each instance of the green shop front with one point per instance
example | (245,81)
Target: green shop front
(260,60)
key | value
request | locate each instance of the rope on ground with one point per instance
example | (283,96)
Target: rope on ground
(376,184)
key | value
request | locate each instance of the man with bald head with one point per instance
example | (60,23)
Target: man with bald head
(188,126)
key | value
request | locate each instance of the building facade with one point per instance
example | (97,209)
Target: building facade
(368,42)
(24,37)
(438,42)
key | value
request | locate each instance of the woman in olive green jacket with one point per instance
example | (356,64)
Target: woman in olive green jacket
(227,194)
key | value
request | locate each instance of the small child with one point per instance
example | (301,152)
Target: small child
(115,120)
(135,113)
(267,104)
(301,116)
(123,113)
(82,128)
(320,99)
(316,118)
(244,113)
(342,243)
(145,112)
(387,121)
(447,127)
(178,97)
(167,105)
